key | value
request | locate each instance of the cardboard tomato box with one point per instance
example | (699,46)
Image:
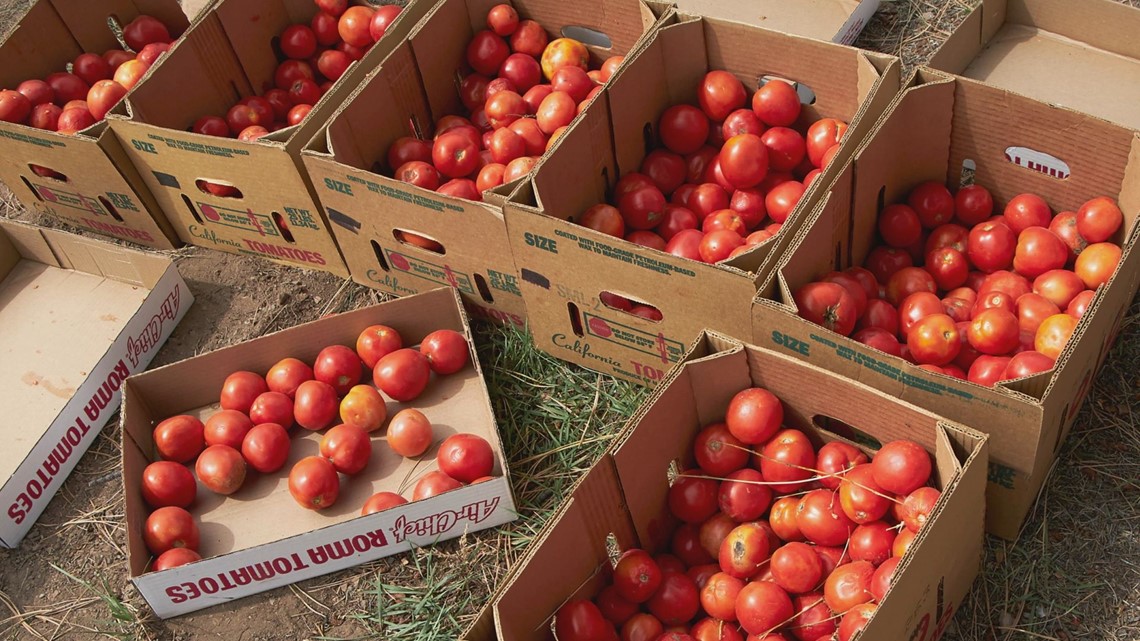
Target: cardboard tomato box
(229,54)
(622,499)
(89,182)
(840,21)
(940,126)
(77,317)
(414,88)
(1080,55)
(259,538)
(565,267)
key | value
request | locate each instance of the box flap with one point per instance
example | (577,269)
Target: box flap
(819,19)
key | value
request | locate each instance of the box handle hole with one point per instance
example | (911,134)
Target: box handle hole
(1038,161)
(192,208)
(283,227)
(379,255)
(48,172)
(805,92)
(587,36)
(414,239)
(631,306)
(110,209)
(35,192)
(575,319)
(484,290)
(218,188)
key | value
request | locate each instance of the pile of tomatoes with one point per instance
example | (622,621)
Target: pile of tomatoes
(523,91)
(960,291)
(777,541)
(251,430)
(73,100)
(314,56)
(722,171)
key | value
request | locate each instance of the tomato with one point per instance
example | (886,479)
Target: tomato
(324,27)
(861,497)
(636,576)
(1025,211)
(848,586)
(683,129)
(855,620)
(674,220)
(827,304)
(872,542)
(1080,304)
(227,427)
(685,244)
(899,226)
(724,219)
(465,457)
(949,235)
(718,596)
(555,111)
(960,309)
(718,452)
(518,168)
(297,114)
(382,18)
(409,433)
(676,602)
(179,438)
(314,483)
(782,199)
(933,203)
(686,544)
(144,30)
(1053,335)
(580,620)
(991,246)
(987,370)
(354,24)
(1032,309)
(907,281)
(640,202)
(347,447)
(221,469)
(167,483)
(572,81)
(665,169)
(1098,219)
(796,567)
(744,160)
(298,42)
(994,300)
(787,461)
(692,498)
(36,91)
(707,198)
(786,148)
(170,527)
(1011,284)
(1038,251)
(613,607)
(885,573)
(883,262)
(718,245)
(948,266)
(917,507)
(1027,363)
(563,52)
(741,497)
(916,307)
(67,87)
(900,467)
(776,103)
(315,405)
(174,557)
(973,204)
(902,542)
(287,375)
(529,37)
(266,447)
(880,314)
(741,121)
(454,155)
(822,135)
(719,94)
(446,350)
(272,407)
(1097,263)
(835,459)
(252,132)
(934,340)
(402,374)
(994,332)
(642,627)
(44,116)
(762,606)
(605,219)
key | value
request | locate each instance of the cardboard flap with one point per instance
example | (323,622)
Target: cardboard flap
(41,44)
(87,21)
(584,524)
(28,242)
(244,24)
(1098,24)
(622,22)
(819,19)
(440,49)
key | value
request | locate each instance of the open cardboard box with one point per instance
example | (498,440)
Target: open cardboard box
(405,97)
(99,189)
(259,538)
(839,21)
(229,54)
(938,124)
(1081,55)
(565,267)
(624,494)
(77,317)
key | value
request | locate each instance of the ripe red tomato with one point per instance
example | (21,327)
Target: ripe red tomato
(933,203)
(848,586)
(741,121)
(1058,286)
(68,87)
(787,461)
(718,245)
(686,244)
(91,68)
(221,469)
(885,573)
(179,438)
(518,168)
(402,374)
(144,30)
(1032,309)
(776,103)
(691,498)
(613,607)
(987,370)
(686,545)
(338,366)
(573,81)
(324,26)
(683,129)
(291,71)
(991,246)
(786,148)
(266,447)
(741,497)
(353,26)
(860,497)
(782,199)
(675,220)
(314,483)
(332,64)
(677,601)
(1026,210)
(754,415)
(835,459)
(36,91)
(907,281)
(916,307)
(1098,219)
(454,155)
(1038,251)
(822,135)
(636,576)
(563,52)
(1054,334)
(174,557)
(796,567)
(384,16)
(272,407)
(347,447)
(718,452)
(502,19)
(605,219)
(762,606)
(298,42)
(901,467)
(934,340)
(304,92)
(744,551)
(382,501)
(227,427)
(949,268)
(315,405)
(1097,263)
(782,518)
(167,483)
(917,507)
(899,226)
(880,314)
(719,94)
(529,38)
(1080,304)
(707,198)
(210,126)
(1064,225)
(555,111)
(446,350)
(718,598)
(744,160)
(973,204)
(287,375)
(827,304)
(1027,363)
(884,261)
(465,457)
(665,169)
(434,483)
(375,342)
(872,542)
(950,235)
(724,219)
(170,527)
(581,620)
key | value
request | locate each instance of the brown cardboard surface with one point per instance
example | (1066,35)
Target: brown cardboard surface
(263,514)
(834,20)
(405,97)
(1084,56)
(565,267)
(101,192)
(77,316)
(228,55)
(569,558)
(938,123)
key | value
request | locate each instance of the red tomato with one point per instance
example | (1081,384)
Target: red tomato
(382,18)
(718,245)
(613,607)
(686,244)
(332,64)
(446,351)
(916,307)
(297,114)
(675,220)
(917,507)
(853,287)
(68,87)
(933,203)
(827,304)
(1080,304)
(555,111)
(860,497)
(144,30)
(724,219)
(987,370)
(707,198)
(174,557)
(636,576)
(1008,283)
(376,342)
(580,620)
(1032,309)
(266,447)
(272,407)
(907,281)
(1058,286)
(950,235)
(741,498)
(786,148)
(749,204)
(298,42)
(402,374)
(787,460)
(820,518)
(872,542)
(472,92)
(676,602)
(339,366)
(465,457)
(522,70)
(315,405)
(934,340)
(683,129)
(454,155)
(776,103)
(782,199)
(347,447)
(744,160)
(221,469)
(762,606)
(885,573)
(418,173)
(382,501)
(718,598)
(91,68)
(227,427)
(434,483)
(973,204)
(518,168)
(796,567)
(1027,363)
(718,452)
(324,26)
(904,539)
(835,459)
(314,483)
(899,226)
(822,135)
(883,262)
(741,121)
(529,38)
(994,332)
(170,527)
(848,586)
(640,202)
(719,94)
(490,176)
(287,375)
(901,467)
(353,26)
(409,433)
(1038,251)
(665,169)
(744,551)
(994,300)
(991,246)
(949,268)
(782,518)
(880,314)
(1025,211)
(291,71)
(1054,334)
(1097,263)
(1064,225)
(179,438)
(573,81)
(691,498)
(167,483)
(605,219)
(363,407)
(1098,219)
(36,91)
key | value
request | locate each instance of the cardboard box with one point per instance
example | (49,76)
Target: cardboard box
(624,495)
(1079,55)
(939,124)
(228,55)
(839,21)
(259,538)
(414,88)
(77,317)
(565,266)
(100,190)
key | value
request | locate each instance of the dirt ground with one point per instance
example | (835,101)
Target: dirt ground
(1073,574)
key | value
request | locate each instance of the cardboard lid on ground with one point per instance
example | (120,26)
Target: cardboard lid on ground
(1081,55)
(834,20)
